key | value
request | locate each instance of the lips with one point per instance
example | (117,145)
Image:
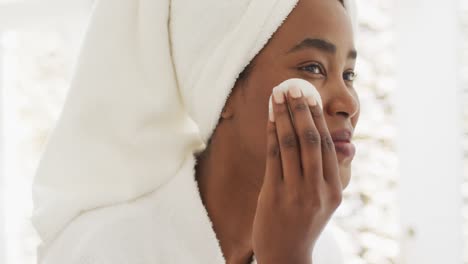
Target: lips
(342,141)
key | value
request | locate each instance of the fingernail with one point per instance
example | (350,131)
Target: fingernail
(278,96)
(295,92)
(311,100)
(272,116)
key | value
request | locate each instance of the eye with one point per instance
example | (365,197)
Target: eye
(314,68)
(349,76)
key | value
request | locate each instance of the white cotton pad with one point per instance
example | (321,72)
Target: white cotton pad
(307,88)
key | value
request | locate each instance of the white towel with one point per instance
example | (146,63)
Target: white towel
(149,87)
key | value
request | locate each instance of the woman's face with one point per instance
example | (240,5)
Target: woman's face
(325,57)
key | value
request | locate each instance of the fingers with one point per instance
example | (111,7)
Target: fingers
(273,170)
(289,145)
(306,147)
(329,159)
(308,135)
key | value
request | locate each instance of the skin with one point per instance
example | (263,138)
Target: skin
(268,193)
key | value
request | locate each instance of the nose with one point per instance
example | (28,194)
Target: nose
(342,101)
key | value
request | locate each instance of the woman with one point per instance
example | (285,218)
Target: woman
(161,154)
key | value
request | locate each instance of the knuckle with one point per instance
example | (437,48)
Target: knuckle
(273,151)
(272,131)
(316,111)
(311,137)
(281,110)
(300,107)
(327,142)
(289,141)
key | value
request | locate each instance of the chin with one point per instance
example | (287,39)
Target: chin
(345,176)
(345,182)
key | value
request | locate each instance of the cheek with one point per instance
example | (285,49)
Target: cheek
(252,118)
(254,105)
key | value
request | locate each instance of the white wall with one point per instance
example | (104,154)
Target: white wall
(27,14)
(430,131)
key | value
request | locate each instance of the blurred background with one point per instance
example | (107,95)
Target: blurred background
(408,200)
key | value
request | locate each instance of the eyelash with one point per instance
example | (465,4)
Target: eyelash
(323,72)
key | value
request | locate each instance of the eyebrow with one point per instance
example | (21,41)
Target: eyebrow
(322,45)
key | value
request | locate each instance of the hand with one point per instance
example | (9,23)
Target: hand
(301,187)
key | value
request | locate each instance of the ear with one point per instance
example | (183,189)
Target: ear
(228,109)
(227,112)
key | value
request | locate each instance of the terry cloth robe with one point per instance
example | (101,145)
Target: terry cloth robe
(169,225)
(116,181)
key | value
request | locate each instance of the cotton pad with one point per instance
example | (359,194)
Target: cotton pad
(307,88)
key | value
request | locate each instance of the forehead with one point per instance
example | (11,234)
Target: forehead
(324,19)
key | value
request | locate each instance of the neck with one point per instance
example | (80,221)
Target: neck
(229,184)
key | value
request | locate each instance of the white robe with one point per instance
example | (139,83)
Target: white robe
(169,225)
